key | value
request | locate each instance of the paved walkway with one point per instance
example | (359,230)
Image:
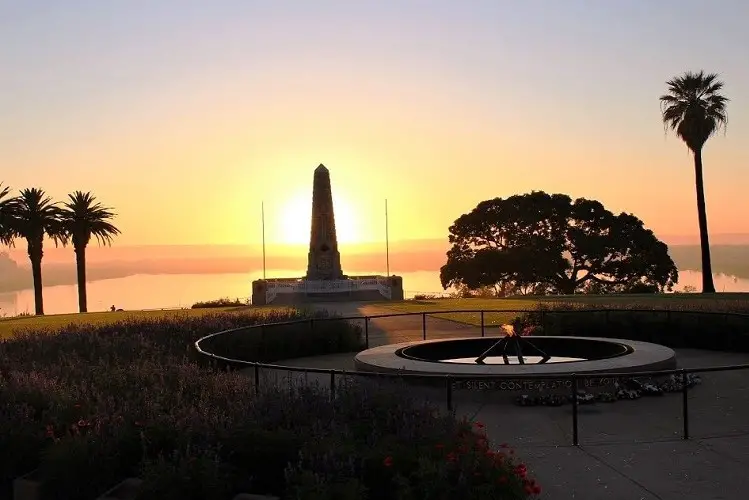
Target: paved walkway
(629,450)
(383,331)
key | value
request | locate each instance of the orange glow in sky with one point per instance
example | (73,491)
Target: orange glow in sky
(186,119)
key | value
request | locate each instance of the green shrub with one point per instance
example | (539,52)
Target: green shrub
(186,475)
(88,461)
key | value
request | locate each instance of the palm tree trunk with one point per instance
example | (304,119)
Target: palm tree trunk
(80,264)
(35,256)
(707,268)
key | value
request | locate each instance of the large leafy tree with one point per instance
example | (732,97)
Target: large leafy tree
(695,109)
(552,244)
(7,204)
(35,216)
(83,218)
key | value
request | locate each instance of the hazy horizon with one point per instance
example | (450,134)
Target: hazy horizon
(424,256)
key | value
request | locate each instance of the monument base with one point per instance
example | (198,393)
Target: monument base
(290,291)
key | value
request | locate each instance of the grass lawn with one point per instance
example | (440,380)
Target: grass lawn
(8,326)
(505,310)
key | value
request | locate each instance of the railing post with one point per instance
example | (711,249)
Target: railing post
(332,385)
(482,323)
(424,325)
(685,403)
(257,378)
(543,321)
(366,331)
(449,382)
(575,436)
(311,325)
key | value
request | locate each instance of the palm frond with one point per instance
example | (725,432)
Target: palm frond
(694,108)
(83,218)
(36,215)
(7,210)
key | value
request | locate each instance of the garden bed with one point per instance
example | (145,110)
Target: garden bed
(93,405)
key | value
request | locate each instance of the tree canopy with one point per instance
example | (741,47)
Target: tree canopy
(694,107)
(548,243)
(7,206)
(83,217)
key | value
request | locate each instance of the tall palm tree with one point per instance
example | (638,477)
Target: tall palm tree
(695,110)
(34,216)
(7,205)
(82,218)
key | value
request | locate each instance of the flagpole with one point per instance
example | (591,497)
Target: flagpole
(387,240)
(262,215)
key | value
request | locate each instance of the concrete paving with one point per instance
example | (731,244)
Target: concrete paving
(629,450)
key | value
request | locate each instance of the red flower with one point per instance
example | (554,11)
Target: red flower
(521,471)
(479,425)
(489,453)
(528,489)
(451,457)
(439,446)
(502,479)
(50,431)
(504,445)
(388,461)
(536,489)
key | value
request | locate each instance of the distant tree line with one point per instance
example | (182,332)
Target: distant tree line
(33,216)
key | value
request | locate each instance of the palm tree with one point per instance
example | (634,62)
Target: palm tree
(34,216)
(695,110)
(82,218)
(7,205)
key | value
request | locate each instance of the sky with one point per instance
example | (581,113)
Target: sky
(186,115)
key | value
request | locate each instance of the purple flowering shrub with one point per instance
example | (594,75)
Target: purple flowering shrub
(67,393)
(92,405)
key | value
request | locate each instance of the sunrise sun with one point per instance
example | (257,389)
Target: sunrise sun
(295,220)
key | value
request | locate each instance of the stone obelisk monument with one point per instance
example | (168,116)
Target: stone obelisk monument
(325,280)
(323,260)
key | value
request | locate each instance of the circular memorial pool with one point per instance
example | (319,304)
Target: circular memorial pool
(515,356)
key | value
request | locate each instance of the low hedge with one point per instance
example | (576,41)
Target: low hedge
(687,328)
(222,302)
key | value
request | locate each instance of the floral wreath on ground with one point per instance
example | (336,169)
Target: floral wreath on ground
(629,388)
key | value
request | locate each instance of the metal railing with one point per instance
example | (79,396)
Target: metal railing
(449,380)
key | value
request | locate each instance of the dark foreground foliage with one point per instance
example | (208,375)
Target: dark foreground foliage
(92,405)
